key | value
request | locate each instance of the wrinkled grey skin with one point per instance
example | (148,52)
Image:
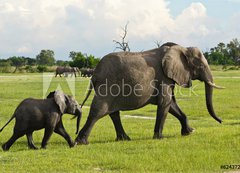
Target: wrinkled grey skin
(35,114)
(67,70)
(86,72)
(165,66)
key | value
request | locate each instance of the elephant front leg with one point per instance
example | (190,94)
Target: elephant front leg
(47,134)
(186,129)
(98,109)
(164,102)
(177,112)
(121,135)
(62,132)
(82,137)
(30,141)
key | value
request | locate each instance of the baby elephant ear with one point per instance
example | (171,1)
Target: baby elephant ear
(51,95)
(175,66)
(60,100)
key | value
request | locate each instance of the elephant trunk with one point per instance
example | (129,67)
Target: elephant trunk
(209,93)
(78,114)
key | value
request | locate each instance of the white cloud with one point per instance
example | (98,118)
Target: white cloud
(24,49)
(91,25)
(192,21)
(6,8)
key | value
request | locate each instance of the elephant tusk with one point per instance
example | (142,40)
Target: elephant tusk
(75,116)
(215,86)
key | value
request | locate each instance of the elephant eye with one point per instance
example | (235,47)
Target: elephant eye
(202,66)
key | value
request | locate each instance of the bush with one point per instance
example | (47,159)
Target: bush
(216,67)
(51,69)
(233,68)
(5,67)
(31,69)
(41,68)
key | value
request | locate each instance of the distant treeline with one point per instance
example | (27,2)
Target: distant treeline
(222,54)
(44,60)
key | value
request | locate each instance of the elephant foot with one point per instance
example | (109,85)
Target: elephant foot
(81,141)
(43,147)
(4,147)
(73,144)
(187,131)
(157,136)
(33,148)
(123,137)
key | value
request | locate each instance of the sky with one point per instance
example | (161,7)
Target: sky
(90,26)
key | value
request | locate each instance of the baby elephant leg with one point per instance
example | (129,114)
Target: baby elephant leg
(62,132)
(30,141)
(47,134)
(14,137)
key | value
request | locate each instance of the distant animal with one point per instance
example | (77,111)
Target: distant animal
(35,114)
(86,72)
(67,70)
(127,81)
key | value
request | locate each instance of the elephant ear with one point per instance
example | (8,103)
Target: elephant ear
(175,66)
(51,95)
(60,100)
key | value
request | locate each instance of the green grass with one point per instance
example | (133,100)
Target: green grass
(210,146)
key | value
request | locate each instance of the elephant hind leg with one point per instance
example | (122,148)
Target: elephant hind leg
(10,142)
(121,135)
(30,141)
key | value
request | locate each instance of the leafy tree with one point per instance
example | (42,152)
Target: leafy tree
(78,58)
(31,61)
(45,57)
(17,62)
(81,60)
(62,63)
(234,51)
(4,62)
(92,61)
(224,54)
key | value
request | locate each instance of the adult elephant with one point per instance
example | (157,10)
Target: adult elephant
(66,70)
(76,70)
(87,72)
(127,81)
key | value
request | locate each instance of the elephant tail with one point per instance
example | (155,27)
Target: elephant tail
(13,116)
(88,94)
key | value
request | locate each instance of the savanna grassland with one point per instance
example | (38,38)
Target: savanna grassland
(210,146)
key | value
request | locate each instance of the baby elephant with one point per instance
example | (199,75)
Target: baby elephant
(34,114)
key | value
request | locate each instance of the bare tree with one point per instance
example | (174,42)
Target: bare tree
(123,45)
(158,43)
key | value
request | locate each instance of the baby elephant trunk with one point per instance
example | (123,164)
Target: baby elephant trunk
(78,114)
